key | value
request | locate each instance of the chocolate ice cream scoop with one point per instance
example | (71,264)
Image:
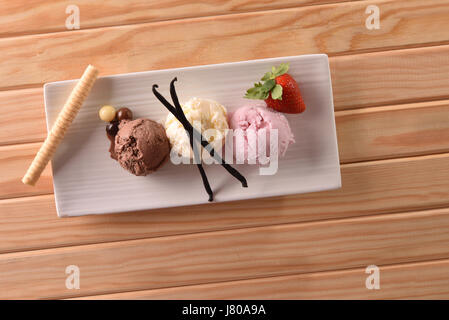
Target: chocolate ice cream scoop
(141,146)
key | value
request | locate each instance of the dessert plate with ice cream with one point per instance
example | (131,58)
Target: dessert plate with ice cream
(196,135)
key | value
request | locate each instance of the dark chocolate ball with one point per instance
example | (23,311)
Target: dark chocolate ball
(112,128)
(124,114)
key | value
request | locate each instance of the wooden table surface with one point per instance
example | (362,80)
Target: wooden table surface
(391,94)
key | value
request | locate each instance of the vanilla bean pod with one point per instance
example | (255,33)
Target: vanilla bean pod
(203,141)
(190,133)
(178,112)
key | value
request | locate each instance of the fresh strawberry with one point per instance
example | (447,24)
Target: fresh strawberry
(279,90)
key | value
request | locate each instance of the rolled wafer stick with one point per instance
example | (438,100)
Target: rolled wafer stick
(62,123)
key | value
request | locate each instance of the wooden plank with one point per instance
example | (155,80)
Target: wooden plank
(368,188)
(228,255)
(393,131)
(374,133)
(244,36)
(390,77)
(226,263)
(14,161)
(351,85)
(422,280)
(23,119)
(25,19)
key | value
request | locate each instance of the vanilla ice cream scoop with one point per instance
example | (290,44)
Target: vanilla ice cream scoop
(207,116)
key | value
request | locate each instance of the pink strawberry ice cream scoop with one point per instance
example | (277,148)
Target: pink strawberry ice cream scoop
(250,124)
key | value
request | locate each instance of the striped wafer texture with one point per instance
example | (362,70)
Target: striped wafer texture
(61,125)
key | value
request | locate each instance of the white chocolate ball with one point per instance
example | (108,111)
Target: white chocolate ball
(107,113)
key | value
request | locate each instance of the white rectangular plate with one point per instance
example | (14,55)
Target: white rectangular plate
(88,181)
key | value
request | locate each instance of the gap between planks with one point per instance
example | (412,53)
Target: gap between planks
(341,74)
(46,179)
(433,86)
(346,54)
(426,139)
(92,26)
(295,28)
(7,148)
(378,172)
(183,290)
(311,222)
(397,232)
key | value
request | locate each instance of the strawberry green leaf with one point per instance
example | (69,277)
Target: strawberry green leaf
(252,93)
(283,68)
(276,94)
(257,93)
(262,90)
(267,76)
(268,85)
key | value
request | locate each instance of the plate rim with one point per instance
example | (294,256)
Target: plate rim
(47,86)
